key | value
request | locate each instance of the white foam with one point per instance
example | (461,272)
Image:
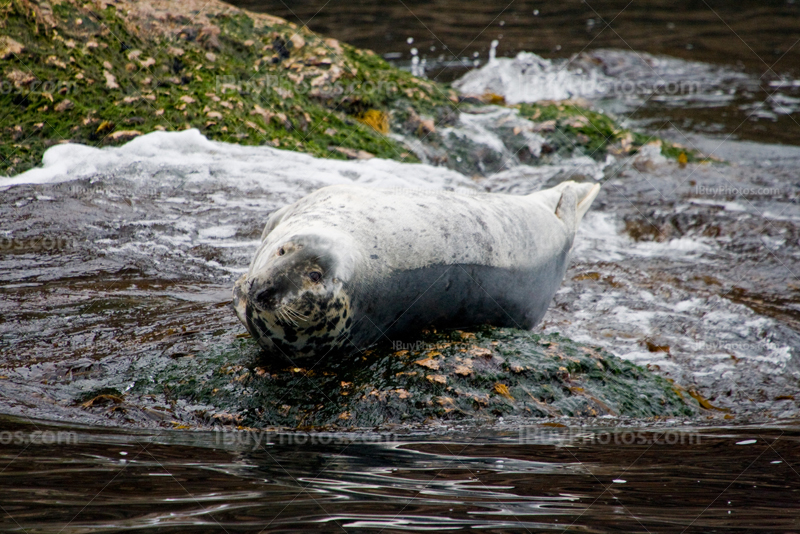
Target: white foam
(187,157)
(215,194)
(623,74)
(727,206)
(687,305)
(473,127)
(639,319)
(599,239)
(218,232)
(530,78)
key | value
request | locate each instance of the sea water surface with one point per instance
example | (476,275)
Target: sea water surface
(689,479)
(692,271)
(110,255)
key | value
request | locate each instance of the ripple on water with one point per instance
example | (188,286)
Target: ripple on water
(676,479)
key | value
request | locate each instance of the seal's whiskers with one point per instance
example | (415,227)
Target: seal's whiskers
(285,314)
(291,312)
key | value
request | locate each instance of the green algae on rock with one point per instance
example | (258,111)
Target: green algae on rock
(105,71)
(570,125)
(452,375)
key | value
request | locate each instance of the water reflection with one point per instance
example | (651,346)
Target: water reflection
(550,480)
(712,31)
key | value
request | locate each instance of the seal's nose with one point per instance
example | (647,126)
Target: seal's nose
(263,294)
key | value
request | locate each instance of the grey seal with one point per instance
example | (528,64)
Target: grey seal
(348,266)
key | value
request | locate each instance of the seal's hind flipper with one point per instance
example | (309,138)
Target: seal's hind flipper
(567,207)
(570,201)
(586,195)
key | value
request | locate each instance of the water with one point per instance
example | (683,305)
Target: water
(108,258)
(756,42)
(754,33)
(132,259)
(116,255)
(688,479)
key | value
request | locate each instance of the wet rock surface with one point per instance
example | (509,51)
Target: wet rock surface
(114,72)
(116,263)
(447,376)
(101,73)
(116,286)
(691,271)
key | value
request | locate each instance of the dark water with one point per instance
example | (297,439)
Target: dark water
(685,479)
(137,259)
(760,35)
(756,38)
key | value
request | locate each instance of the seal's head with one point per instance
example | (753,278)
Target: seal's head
(293,300)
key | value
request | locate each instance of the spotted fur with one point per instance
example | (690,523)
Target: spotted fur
(322,329)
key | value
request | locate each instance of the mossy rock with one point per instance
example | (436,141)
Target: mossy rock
(570,126)
(100,73)
(452,375)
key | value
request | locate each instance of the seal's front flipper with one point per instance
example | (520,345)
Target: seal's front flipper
(239,302)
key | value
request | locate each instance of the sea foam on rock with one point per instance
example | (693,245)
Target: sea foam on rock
(530,78)
(625,75)
(191,157)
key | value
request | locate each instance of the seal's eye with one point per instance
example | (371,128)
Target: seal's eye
(281,251)
(315,276)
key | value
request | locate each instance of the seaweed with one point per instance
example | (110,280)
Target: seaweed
(451,375)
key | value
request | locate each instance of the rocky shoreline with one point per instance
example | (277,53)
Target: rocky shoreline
(132,68)
(103,72)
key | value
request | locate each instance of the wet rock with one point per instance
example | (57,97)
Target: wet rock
(209,36)
(419,126)
(311,85)
(19,78)
(297,41)
(453,375)
(124,135)
(64,105)
(111,80)
(351,153)
(279,45)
